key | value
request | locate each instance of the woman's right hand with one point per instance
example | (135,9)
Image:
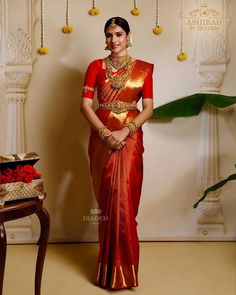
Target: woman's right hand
(116,140)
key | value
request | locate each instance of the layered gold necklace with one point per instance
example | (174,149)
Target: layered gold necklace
(118,80)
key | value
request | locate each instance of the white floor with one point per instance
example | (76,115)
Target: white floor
(166,268)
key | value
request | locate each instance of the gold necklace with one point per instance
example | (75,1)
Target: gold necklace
(119,62)
(118,80)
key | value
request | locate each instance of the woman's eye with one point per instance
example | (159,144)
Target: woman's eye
(118,35)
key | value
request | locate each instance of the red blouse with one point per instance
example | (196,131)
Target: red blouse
(96,75)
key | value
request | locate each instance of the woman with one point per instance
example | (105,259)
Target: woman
(115,151)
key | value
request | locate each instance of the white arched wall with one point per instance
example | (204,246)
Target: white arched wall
(56,130)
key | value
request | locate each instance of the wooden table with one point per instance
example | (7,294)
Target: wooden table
(19,209)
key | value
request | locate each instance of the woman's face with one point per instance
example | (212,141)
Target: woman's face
(116,40)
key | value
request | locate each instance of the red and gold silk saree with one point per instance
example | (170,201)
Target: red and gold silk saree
(117,177)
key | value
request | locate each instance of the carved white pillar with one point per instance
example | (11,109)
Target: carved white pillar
(212,56)
(16,82)
(17,59)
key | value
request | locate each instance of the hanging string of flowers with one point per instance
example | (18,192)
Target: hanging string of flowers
(135,10)
(182,55)
(42,50)
(158,29)
(67,29)
(94,10)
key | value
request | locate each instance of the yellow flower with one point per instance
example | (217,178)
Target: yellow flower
(94,11)
(43,50)
(157,30)
(67,29)
(182,56)
(135,11)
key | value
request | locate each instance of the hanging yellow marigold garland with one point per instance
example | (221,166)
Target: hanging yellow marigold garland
(135,10)
(182,55)
(67,29)
(94,10)
(42,50)
(158,29)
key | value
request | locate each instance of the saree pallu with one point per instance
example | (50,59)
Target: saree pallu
(117,180)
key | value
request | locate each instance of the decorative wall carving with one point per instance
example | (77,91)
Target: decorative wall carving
(210,81)
(17,60)
(212,55)
(18,48)
(213,49)
(17,81)
(211,212)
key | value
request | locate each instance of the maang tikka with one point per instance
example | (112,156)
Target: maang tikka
(111,26)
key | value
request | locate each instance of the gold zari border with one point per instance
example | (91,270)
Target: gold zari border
(87,88)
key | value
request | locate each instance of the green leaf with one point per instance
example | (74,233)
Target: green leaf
(214,188)
(192,105)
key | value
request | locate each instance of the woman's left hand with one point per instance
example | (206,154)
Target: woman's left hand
(117,139)
(121,134)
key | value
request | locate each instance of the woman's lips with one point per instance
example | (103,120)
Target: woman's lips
(114,46)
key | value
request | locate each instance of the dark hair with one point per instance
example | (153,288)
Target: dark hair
(119,21)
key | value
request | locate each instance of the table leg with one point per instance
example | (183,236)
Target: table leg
(43,241)
(3,250)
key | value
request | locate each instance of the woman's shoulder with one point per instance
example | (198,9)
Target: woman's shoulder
(144,64)
(96,62)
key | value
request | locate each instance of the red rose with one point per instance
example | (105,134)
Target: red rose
(28,179)
(19,167)
(37,175)
(28,168)
(7,171)
(9,179)
(2,179)
(21,174)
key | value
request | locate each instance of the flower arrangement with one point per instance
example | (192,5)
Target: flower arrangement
(157,30)
(22,173)
(94,10)
(43,50)
(135,10)
(182,56)
(67,29)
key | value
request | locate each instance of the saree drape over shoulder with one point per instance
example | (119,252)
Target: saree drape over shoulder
(117,175)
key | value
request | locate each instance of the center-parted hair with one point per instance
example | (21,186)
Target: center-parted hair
(119,21)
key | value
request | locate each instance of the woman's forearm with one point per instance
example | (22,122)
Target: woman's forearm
(145,114)
(90,115)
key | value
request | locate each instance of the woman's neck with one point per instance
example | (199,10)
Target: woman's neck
(120,54)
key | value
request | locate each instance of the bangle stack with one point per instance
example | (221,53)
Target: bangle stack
(104,132)
(132,126)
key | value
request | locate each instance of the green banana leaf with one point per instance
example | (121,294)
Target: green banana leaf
(215,187)
(191,105)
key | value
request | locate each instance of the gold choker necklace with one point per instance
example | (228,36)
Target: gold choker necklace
(119,62)
(118,80)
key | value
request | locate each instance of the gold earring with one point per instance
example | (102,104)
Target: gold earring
(129,43)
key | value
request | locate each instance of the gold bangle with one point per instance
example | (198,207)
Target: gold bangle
(104,132)
(132,126)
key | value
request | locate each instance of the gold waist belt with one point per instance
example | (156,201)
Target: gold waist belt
(118,106)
